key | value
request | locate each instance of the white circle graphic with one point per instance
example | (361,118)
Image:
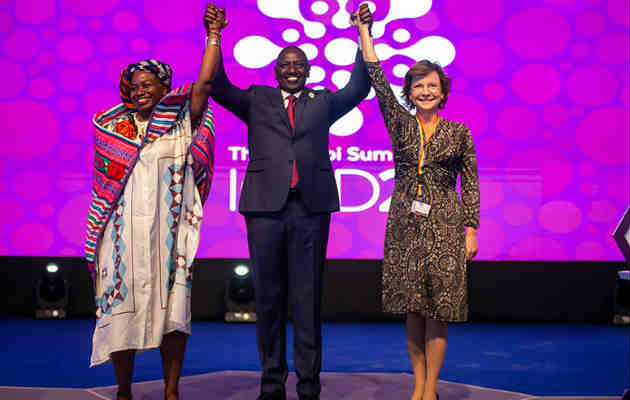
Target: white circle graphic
(400,70)
(320,7)
(310,50)
(317,74)
(341,51)
(340,78)
(255,51)
(401,35)
(290,35)
(348,124)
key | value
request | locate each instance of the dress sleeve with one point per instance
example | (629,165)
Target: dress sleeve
(391,110)
(470,181)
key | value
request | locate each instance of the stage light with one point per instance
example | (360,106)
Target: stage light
(52,268)
(51,292)
(241,270)
(239,296)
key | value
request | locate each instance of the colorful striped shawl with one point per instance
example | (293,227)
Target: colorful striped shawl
(115,156)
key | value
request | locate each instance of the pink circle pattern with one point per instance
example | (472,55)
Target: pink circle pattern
(22,186)
(126,22)
(479,57)
(188,15)
(492,244)
(609,148)
(608,44)
(22,45)
(74,79)
(46,210)
(590,23)
(6,22)
(494,194)
(34,11)
(547,37)
(556,115)
(110,44)
(547,216)
(580,50)
(41,88)
(32,238)
(493,91)
(589,250)
(90,8)
(518,122)
(536,83)
(20,147)
(459,103)
(140,45)
(67,104)
(490,148)
(518,214)
(619,11)
(12,79)
(73,210)
(470,18)
(67,49)
(592,86)
(544,91)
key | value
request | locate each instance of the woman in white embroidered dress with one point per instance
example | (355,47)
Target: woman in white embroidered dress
(153,167)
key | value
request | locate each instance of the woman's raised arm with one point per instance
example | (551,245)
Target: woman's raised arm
(214,21)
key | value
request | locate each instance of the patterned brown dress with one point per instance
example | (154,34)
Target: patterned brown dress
(424,265)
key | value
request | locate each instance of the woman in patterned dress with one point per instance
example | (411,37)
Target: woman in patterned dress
(431,232)
(152,174)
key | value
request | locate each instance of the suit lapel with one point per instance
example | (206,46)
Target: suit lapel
(300,106)
(277,105)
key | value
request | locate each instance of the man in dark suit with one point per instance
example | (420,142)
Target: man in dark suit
(288,195)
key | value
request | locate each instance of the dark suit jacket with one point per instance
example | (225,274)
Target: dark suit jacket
(273,145)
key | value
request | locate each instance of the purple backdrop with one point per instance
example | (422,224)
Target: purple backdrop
(543,86)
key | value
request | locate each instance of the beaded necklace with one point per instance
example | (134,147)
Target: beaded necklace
(139,126)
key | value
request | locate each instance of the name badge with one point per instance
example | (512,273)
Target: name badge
(420,208)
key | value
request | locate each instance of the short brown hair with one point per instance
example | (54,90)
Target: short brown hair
(421,69)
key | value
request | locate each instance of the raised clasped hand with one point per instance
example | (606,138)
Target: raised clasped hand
(362,17)
(214,19)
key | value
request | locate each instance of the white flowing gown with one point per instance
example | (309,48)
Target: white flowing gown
(144,263)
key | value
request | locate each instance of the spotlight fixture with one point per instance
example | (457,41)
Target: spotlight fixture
(51,293)
(52,268)
(239,296)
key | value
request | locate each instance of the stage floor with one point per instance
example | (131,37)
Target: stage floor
(361,360)
(243,385)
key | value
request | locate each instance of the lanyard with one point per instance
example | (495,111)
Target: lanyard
(421,155)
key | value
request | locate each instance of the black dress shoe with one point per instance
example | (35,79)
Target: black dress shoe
(277,395)
(122,396)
